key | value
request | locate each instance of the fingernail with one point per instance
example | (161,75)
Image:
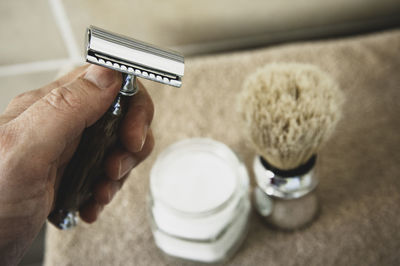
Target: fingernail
(144,135)
(114,189)
(100,76)
(99,209)
(141,128)
(126,165)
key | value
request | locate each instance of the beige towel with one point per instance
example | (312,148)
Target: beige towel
(359,168)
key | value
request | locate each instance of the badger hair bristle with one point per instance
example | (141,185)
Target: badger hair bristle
(289,110)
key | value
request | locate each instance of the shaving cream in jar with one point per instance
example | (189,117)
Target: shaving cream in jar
(199,203)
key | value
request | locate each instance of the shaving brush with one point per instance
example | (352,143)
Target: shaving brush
(289,111)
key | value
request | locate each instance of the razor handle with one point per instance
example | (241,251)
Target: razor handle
(86,167)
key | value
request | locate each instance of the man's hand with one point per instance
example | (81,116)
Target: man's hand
(39,133)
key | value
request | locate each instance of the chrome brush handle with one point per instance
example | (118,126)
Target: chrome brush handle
(86,166)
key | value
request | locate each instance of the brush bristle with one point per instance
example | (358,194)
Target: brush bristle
(289,110)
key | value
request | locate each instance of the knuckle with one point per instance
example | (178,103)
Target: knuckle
(8,138)
(25,96)
(62,98)
(149,146)
(150,108)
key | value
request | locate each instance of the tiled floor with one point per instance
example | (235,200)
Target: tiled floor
(32,47)
(20,32)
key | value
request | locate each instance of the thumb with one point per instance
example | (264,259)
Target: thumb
(60,117)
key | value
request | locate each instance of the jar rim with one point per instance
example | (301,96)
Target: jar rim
(204,145)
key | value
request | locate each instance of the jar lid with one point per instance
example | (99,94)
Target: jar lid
(195,176)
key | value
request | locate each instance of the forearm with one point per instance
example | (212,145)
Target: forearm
(23,210)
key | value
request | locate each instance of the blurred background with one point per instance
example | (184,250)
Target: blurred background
(41,38)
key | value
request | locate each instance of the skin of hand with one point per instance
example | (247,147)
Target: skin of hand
(39,133)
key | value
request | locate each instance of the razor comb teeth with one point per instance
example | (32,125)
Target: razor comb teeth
(134,71)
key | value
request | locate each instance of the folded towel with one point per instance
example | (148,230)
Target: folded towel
(359,167)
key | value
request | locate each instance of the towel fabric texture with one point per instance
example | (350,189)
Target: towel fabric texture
(359,167)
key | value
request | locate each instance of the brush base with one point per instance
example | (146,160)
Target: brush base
(286,214)
(286,203)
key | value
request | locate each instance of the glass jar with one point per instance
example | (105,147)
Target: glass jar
(199,200)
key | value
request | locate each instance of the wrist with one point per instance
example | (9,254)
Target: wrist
(19,225)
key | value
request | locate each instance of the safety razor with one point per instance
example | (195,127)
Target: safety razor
(134,59)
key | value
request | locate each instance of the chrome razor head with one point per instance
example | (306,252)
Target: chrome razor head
(134,57)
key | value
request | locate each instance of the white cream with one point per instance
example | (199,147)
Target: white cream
(194,182)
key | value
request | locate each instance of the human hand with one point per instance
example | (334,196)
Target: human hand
(39,133)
